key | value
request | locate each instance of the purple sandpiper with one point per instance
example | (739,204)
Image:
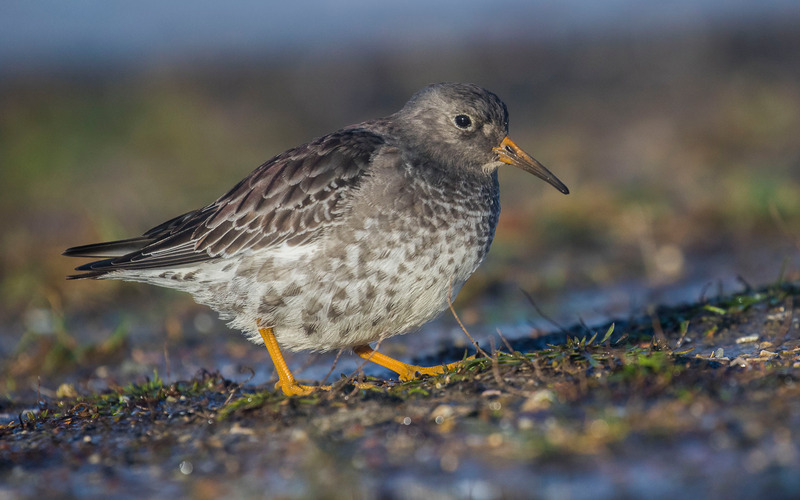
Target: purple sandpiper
(357,236)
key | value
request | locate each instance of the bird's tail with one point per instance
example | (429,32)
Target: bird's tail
(109,248)
(108,251)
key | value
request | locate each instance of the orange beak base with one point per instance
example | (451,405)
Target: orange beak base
(514,155)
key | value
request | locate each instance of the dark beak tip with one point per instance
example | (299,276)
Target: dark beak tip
(556,183)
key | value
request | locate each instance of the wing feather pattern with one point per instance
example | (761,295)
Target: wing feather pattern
(290,199)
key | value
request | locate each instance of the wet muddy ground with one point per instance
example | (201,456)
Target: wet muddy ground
(701,400)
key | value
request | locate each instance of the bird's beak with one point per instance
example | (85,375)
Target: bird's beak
(514,155)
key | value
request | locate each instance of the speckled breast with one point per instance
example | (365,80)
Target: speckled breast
(389,269)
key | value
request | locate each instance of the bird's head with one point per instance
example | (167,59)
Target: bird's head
(465,126)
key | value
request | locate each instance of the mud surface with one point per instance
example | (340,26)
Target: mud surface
(700,400)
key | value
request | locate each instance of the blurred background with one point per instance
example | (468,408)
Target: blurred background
(676,126)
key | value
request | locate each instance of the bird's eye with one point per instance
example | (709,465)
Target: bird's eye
(463,121)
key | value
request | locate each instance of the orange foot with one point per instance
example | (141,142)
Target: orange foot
(295,389)
(286,381)
(405,371)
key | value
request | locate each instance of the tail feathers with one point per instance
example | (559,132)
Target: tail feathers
(109,249)
(94,269)
(173,247)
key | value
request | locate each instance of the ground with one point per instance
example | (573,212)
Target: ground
(700,400)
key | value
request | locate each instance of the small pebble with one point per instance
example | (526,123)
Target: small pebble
(66,391)
(186,467)
(741,362)
(238,429)
(441,412)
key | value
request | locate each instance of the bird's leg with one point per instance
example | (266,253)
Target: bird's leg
(405,371)
(286,380)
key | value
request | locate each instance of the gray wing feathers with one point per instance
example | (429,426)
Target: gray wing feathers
(290,199)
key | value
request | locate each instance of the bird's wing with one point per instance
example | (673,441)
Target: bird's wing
(290,199)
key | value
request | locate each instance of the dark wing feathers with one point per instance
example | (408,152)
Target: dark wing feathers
(110,249)
(289,199)
(270,207)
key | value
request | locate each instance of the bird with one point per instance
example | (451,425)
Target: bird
(352,238)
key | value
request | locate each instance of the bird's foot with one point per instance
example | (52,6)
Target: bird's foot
(292,388)
(405,371)
(286,381)
(412,372)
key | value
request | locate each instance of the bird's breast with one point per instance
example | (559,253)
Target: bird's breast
(388,268)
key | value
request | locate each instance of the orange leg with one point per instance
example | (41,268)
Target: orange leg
(286,380)
(405,371)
